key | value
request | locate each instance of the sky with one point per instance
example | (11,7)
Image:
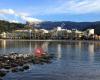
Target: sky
(50,10)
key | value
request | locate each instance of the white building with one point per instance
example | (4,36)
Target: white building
(44,30)
(76,34)
(89,32)
(3,35)
(59,33)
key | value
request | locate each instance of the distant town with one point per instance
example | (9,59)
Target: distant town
(57,33)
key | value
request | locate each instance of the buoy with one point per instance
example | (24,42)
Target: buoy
(39,52)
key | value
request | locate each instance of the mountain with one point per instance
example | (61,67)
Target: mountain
(72,25)
(68,25)
(6,26)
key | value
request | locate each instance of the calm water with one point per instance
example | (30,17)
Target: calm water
(75,60)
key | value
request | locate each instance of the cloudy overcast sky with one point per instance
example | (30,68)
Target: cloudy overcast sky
(49,10)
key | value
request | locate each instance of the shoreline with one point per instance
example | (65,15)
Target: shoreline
(51,40)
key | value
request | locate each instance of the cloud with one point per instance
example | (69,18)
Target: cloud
(69,7)
(84,6)
(80,7)
(14,21)
(30,19)
(7,11)
(73,7)
(22,15)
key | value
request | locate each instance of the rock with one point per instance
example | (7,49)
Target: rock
(14,65)
(2,73)
(45,58)
(25,67)
(1,79)
(21,69)
(15,70)
(7,67)
(21,64)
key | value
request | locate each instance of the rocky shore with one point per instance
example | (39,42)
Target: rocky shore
(16,62)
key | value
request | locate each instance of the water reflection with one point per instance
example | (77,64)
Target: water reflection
(3,43)
(30,48)
(45,46)
(59,52)
(91,51)
(76,60)
(78,50)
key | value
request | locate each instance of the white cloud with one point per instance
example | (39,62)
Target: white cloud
(14,21)
(16,15)
(30,19)
(57,7)
(23,14)
(79,7)
(85,6)
(71,7)
(7,11)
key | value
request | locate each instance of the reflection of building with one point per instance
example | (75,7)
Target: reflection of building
(45,46)
(59,51)
(30,48)
(91,51)
(3,42)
